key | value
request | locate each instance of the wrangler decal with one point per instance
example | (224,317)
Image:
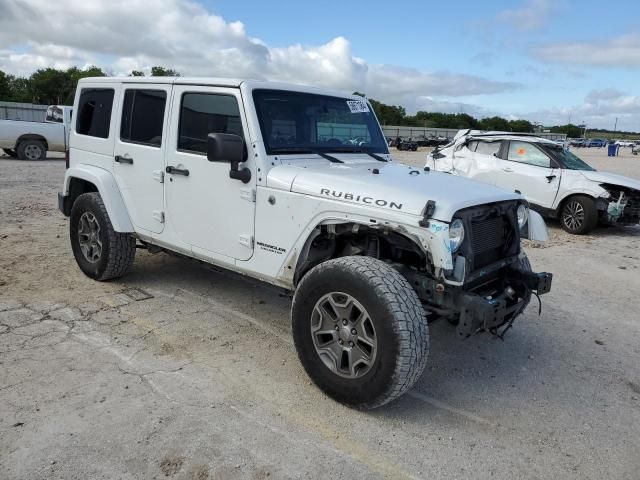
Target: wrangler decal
(359,198)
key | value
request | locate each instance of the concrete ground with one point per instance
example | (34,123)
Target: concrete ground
(182,371)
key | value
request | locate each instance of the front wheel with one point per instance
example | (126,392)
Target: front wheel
(360,331)
(579,215)
(100,251)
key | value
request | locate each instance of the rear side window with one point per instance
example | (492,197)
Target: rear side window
(488,148)
(94,112)
(205,113)
(143,117)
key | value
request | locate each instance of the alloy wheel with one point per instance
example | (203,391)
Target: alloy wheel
(573,215)
(343,335)
(89,237)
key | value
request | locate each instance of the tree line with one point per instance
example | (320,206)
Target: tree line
(52,86)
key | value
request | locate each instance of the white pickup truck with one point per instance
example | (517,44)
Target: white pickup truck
(32,140)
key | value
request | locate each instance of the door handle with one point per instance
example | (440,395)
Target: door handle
(550,178)
(121,159)
(177,171)
(507,169)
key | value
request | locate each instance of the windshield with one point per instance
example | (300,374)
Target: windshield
(570,161)
(294,122)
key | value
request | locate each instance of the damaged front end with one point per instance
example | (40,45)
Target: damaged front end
(491,282)
(620,205)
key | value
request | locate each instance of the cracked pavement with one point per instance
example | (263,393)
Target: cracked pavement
(183,371)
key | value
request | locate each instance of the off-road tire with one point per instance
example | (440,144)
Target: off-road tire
(399,320)
(24,146)
(590,220)
(12,153)
(118,249)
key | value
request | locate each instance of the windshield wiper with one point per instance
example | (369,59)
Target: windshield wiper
(359,150)
(306,150)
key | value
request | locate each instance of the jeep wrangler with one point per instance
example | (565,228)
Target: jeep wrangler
(295,186)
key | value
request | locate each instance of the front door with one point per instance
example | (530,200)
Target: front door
(211,212)
(138,160)
(527,169)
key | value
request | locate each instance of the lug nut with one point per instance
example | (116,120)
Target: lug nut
(337,327)
(351,344)
(344,322)
(340,342)
(353,331)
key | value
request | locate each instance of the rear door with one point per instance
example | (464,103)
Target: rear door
(526,168)
(138,161)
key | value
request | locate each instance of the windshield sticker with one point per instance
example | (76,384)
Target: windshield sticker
(358,106)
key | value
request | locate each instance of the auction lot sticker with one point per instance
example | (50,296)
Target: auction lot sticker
(358,106)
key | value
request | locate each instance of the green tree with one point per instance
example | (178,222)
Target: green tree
(494,123)
(388,114)
(523,126)
(136,73)
(164,72)
(572,131)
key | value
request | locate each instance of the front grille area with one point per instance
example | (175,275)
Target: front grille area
(491,233)
(488,239)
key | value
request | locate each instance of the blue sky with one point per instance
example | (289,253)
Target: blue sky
(547,61)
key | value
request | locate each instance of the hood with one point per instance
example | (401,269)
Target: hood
(611,178)
(396,187)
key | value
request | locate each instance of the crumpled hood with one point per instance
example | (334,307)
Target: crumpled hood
(611,178)
(397,187)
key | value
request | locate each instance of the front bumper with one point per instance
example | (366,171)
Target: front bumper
(489,313)
(494,298)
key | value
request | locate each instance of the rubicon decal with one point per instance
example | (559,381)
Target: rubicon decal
(380,202)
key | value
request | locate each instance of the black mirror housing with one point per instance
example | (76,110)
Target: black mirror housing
(225,147)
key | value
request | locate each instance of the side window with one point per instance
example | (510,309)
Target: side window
(143,117)
(205,113)
(94,112)
(472,145)
(488,148)
(524,152)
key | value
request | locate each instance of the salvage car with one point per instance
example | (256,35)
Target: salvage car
(557,183)
(262,179)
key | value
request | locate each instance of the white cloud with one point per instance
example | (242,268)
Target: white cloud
(599,110)
(533,15)
(121,35)
(622,51)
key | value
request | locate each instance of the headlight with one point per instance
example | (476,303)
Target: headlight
(456,234)
(523,215)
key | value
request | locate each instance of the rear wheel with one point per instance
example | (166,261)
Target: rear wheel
(100,251)
(360,331)
(579,215)
(31,150)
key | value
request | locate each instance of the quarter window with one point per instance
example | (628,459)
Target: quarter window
(143,117)
(94,112)
(524,152)
(205,113)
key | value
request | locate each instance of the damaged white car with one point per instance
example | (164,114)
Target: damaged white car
(556,182)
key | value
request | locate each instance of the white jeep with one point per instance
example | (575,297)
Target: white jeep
(294,186)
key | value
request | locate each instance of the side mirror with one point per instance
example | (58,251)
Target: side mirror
(225,147)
